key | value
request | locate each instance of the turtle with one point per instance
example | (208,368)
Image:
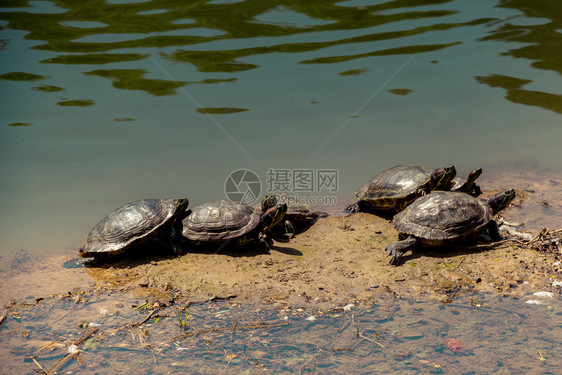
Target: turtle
(133,224)
(397,187)
(225,222)
(468,186)
(445,217)
(299,217)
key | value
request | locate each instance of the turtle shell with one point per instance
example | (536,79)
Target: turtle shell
(128,225)
(297,211)
(220,221)
(394,184)
(444,216)
(303,212)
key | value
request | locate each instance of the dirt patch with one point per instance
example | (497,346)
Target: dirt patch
(337,261)
(31,276)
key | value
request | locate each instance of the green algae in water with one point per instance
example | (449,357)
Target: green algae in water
(221,110)
(124,119)
(516,94)
(95,58)
(353,72)
(20,124)
(76,103)
(47,88)
(213,81)
(132,79)
(22,76)
(401,92)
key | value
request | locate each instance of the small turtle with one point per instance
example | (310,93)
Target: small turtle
(132,224)
(444,217)
(238,224)
(397,187)
(299,217)
(468,186)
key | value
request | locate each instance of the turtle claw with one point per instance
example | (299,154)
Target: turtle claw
(394,252)
(352,208)
(397,249)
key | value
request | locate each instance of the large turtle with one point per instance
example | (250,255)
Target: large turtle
(226,222)
(397,187)
(132,224)
(299,216)
(444,217)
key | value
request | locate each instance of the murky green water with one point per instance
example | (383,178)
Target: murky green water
(106,102)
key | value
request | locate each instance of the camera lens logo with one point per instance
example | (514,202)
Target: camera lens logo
(243,185)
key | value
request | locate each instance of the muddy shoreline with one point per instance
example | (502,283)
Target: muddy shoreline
(166,307)
(339,260)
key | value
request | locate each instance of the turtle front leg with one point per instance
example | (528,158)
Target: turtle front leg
(289,229)
(397,249)
(494,231)
(264,243)
(174,244)
(352,208)
(475,191)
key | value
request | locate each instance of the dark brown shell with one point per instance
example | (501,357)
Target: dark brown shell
(130,224)
(220,221)
(394,184)
(297,211)
(444,216)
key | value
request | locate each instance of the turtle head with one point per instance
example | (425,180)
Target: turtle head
(441,177)
(474,175)
(501,200)
(268,201)
(273,216)
(181,206)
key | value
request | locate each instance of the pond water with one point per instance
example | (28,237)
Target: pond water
(106,102)
(474,334)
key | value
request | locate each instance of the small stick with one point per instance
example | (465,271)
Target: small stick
(219,329)
(145,319)
(309,359)
(38,365)
(64,360)
(139,323)
(3,316)
(373,341)
(458,265)
(73,351)
(86,336)
(45,347)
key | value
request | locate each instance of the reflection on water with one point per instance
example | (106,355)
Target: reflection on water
(480,334)
(105,102)
(540,33)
